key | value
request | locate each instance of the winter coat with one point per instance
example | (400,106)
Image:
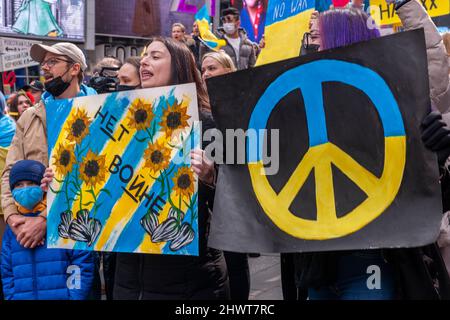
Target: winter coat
(43,274)
(166,277)
(247,54)
(3,154)
(413,16)
(29,142)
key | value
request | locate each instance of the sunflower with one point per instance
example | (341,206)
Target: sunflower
(175,117)
(92,169)
(184,182)
(141,115)
(78,126)
(157,157)
(64,159)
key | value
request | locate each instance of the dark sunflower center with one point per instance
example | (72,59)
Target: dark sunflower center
(64,160)
(140,116)
(91,168)
(174,120)
(157,157)
(78,127)
(184,181)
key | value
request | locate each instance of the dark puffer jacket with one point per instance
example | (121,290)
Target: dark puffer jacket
(165,277)
(247,52)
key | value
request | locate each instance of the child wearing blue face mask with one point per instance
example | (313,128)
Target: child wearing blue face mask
(40,273)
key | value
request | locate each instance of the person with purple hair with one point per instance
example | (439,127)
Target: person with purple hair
(384,274)
(343,27)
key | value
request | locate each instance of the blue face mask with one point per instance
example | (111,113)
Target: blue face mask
(28,197)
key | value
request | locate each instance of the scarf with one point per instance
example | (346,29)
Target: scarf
(41,206)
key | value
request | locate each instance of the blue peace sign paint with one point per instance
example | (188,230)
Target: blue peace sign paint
(309,79)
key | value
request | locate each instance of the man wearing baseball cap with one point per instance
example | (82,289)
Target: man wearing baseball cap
(63,65)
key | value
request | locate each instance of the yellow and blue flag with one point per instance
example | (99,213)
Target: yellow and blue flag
(206,36)
(286,22)
(384,14)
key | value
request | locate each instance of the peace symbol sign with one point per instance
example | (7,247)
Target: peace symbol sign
(381,192)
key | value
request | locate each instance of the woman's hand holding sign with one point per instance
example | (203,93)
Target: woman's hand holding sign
(203,167)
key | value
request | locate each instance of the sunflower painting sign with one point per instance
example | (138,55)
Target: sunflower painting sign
(123,180)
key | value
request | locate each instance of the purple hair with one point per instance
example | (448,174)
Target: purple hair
(342,27)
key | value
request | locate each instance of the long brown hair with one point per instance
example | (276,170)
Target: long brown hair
(14,104)
(184,70)
(136,63)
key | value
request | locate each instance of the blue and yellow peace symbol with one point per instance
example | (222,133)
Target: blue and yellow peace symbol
(381,192)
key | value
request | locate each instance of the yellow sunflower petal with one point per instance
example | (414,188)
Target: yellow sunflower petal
(92,170)
(157,157)
(64,159)
(174,118)
(184,182)
(78,126)
(141,115)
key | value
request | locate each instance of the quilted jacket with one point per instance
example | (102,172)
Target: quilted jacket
(44,274)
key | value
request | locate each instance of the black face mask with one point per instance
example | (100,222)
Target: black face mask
(308,47)
(126,88)
(311,48)
(56,86)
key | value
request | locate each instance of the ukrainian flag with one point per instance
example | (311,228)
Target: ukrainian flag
(206,36)
(286,22)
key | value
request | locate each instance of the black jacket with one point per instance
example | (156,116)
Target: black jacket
(165,277)
(419,273)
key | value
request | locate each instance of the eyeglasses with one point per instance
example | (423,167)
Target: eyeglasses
(228,18)
(53,61)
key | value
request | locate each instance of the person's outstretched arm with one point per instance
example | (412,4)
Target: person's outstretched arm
(414,16)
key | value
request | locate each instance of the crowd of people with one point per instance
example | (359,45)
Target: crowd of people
(31,271)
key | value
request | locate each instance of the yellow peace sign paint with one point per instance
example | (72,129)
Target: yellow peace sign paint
(380,192)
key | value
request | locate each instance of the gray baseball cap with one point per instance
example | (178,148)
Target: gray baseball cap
(38,52)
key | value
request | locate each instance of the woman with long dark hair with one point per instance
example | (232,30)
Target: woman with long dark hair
(147,276)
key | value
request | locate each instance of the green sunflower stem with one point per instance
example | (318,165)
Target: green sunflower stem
(77,174)
(77,153)
(161,180)
(178,213)
(169,197)
(151,134)
(95,200)
(191,205)
(66,192)
(81,200)
(78,185)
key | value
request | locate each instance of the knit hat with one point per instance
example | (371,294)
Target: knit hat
(29,170)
